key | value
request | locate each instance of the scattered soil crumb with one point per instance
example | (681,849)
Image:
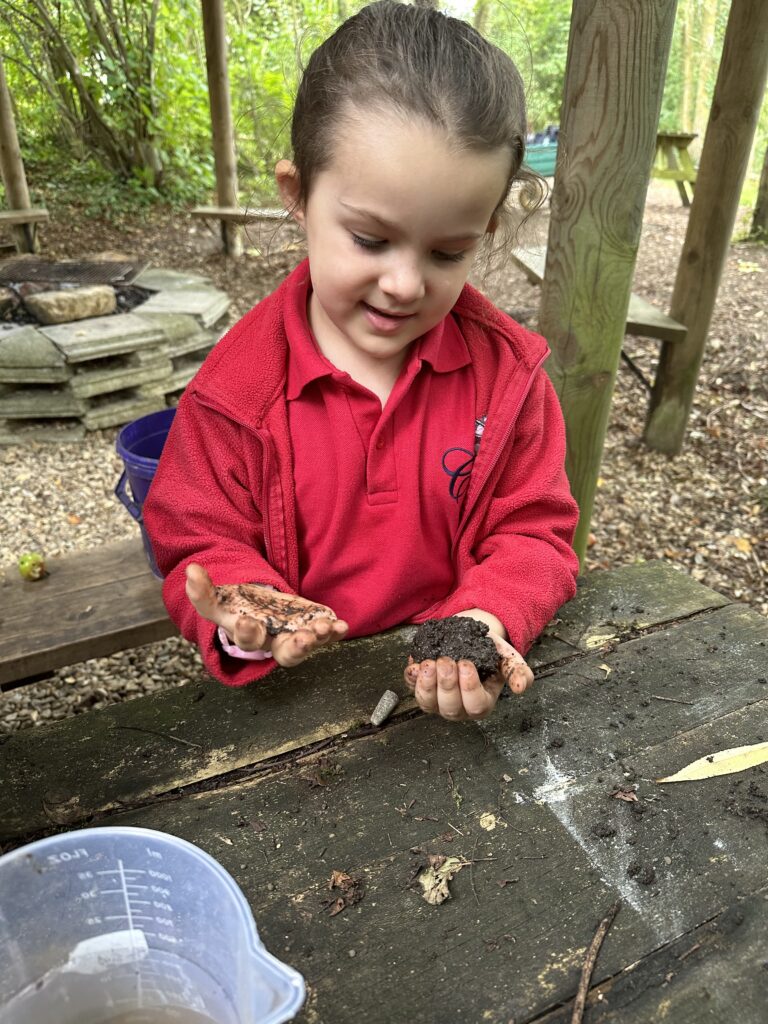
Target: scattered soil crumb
(603,830)
(643,873)
(458,638)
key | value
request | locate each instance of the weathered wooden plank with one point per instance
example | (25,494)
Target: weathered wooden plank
(100,760)
(237,215)
(599,712)
(622,602)
(714,972)
(492,952)
(91,604)
(31,216)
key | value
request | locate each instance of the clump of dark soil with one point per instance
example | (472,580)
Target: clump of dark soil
(458,638)
(643,873)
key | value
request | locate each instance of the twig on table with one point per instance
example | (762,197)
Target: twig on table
(162,735)
(472,873)
(673,700)
(590,961)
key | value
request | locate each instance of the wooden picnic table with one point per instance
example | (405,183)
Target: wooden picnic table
(673,162)
(285,784)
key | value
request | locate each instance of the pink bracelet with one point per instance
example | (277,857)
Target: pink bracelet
(229,648)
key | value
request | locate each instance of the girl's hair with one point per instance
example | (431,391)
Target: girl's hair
(419,62)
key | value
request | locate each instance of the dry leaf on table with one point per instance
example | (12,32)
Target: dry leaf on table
(724,762)
(434,878)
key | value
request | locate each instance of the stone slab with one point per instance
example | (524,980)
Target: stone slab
(158,279)
(103,336)
(207,305)
(28,347)
(175,326)
(124,409)
(87,384)
(201,341)
(35,374)
(40,403)
(21,431)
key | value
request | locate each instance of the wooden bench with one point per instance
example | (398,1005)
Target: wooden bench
(33,215)
(234,215)
(91,604)
(643,318)
(673,162)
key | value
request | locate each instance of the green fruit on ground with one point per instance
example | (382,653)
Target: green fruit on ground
(32,566)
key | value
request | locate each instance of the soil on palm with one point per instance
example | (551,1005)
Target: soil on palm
(458,638)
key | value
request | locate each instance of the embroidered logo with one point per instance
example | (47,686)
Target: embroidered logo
(458,462)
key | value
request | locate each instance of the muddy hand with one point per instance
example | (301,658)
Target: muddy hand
(513,668)
(259,618)
(454,690)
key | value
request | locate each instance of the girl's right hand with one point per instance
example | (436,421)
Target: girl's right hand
(258,618)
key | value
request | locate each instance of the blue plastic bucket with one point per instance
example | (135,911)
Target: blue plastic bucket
(139,445)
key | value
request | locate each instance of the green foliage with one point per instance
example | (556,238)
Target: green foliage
(136,130)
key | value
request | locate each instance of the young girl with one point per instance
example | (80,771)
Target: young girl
(375,443)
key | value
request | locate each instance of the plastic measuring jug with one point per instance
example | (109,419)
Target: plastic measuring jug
(132,925)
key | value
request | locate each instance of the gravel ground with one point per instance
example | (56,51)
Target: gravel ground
(705,510)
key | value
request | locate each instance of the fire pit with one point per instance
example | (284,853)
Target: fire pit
(86,345)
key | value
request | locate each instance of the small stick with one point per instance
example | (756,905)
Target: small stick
(673,700)
(472,874)
(456,829)
(589,963)
(162,735)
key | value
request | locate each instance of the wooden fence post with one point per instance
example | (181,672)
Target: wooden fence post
(12,170)
(724,158)
(215,35)
(617,57)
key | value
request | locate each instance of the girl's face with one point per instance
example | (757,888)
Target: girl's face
(392,225)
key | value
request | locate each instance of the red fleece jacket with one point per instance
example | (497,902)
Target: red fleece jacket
(223,493)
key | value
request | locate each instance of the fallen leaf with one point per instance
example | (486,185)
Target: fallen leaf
(606,669)
(488,821)
(723,762)
(73,520)
(224,839)
(435,877)
(352,891)
(623,793)
(741,543)
(749,267)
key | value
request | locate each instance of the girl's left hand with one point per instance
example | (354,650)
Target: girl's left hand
(453,689)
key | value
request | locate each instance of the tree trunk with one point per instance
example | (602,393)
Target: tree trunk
(706,60)
(225,160)
(12,169)
(686,103)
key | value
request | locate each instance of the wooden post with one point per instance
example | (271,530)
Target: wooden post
(12,170)
(215,34)
(617,57)
(724,157)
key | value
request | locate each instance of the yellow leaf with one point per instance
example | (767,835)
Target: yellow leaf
(724,762)
(739,542)
(749,267)
(606,669)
